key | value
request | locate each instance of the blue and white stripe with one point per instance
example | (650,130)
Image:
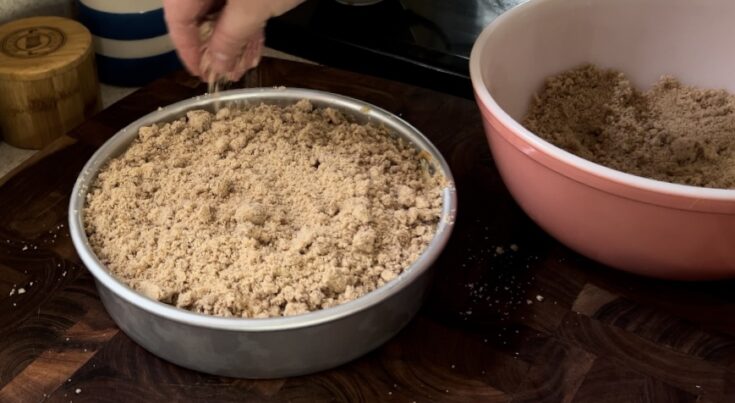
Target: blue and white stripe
(130,38)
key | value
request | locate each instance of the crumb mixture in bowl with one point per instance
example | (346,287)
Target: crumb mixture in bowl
(672,132)
(262,211)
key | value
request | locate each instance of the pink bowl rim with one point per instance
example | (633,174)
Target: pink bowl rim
(487,100)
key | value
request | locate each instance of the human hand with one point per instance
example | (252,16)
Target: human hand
(236,41)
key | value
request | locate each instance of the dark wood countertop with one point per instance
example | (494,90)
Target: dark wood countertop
(539,323)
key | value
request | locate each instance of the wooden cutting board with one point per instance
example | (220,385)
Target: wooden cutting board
(525,323)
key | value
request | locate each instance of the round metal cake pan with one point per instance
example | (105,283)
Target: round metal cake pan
(270,347)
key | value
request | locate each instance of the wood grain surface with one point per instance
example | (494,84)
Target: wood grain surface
(513,316)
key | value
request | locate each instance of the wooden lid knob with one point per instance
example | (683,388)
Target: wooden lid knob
(48,80)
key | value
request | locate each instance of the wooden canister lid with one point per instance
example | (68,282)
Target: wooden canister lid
(48,82)
(39,47)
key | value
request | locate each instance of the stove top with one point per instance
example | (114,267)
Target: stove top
(422,42)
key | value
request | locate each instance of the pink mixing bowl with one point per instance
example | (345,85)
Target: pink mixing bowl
(636,224)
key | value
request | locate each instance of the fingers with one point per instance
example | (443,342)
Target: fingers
(237,40)
(239,21)
(250,56)
(183,18)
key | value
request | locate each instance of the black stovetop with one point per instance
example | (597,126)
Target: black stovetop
(422,42)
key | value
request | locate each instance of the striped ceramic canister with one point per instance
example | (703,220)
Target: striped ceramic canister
(130,38)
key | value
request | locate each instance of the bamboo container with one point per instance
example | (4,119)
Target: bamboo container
(48,81)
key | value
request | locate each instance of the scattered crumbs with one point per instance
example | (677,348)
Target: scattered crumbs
(25,248)
(63,274)
(67,339)
(529,302)
(539,298)
(12,291)
(30,284)
(514,247)
(446,390)
(85,350)
(453,366)
(390,393)
(21,291)
(14,304)
(485,340)
(68,380)
(395,386)
(78,391)
(499,250)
